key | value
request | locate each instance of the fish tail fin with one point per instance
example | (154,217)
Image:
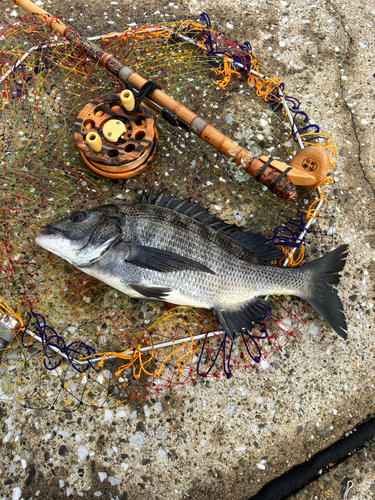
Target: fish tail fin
(321,274)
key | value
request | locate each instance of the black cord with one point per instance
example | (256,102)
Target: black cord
(261,172)
(146,89)
(278,179)
(294,479)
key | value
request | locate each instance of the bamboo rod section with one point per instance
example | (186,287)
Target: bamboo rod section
(275,178)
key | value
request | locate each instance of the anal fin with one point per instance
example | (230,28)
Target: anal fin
(244,318)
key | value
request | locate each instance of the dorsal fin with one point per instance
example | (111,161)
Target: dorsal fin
(254,242)
(257,243)
(161,199)
(193,210)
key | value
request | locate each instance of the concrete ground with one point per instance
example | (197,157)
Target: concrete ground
(318,387)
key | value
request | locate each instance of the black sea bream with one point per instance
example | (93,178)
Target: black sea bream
(164,249)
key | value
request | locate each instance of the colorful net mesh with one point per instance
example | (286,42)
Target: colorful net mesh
(82,343)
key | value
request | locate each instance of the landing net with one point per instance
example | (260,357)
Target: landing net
(63,356)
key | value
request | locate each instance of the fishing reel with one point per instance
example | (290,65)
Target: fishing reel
(112,142)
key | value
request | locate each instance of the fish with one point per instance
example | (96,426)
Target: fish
(169,250)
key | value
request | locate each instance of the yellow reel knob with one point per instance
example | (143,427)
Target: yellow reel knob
(94,141)
(127,100)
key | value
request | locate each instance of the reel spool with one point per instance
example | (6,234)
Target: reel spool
(112,142)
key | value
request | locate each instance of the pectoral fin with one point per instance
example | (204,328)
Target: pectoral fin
(151,292)
(160,260)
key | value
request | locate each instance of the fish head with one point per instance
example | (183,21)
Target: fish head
(82,236)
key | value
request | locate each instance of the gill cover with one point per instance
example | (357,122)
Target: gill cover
(83,236)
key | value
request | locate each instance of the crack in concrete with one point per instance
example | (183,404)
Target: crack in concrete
(351,114)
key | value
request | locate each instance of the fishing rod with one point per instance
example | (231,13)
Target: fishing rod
(307,169)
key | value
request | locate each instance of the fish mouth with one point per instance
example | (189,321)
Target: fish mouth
(49,230)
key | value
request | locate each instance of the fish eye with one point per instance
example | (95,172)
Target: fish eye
(78,217)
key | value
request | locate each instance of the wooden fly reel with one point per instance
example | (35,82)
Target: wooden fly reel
(112,142)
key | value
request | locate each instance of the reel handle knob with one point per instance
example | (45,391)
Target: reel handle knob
(127,99)
(94,141)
